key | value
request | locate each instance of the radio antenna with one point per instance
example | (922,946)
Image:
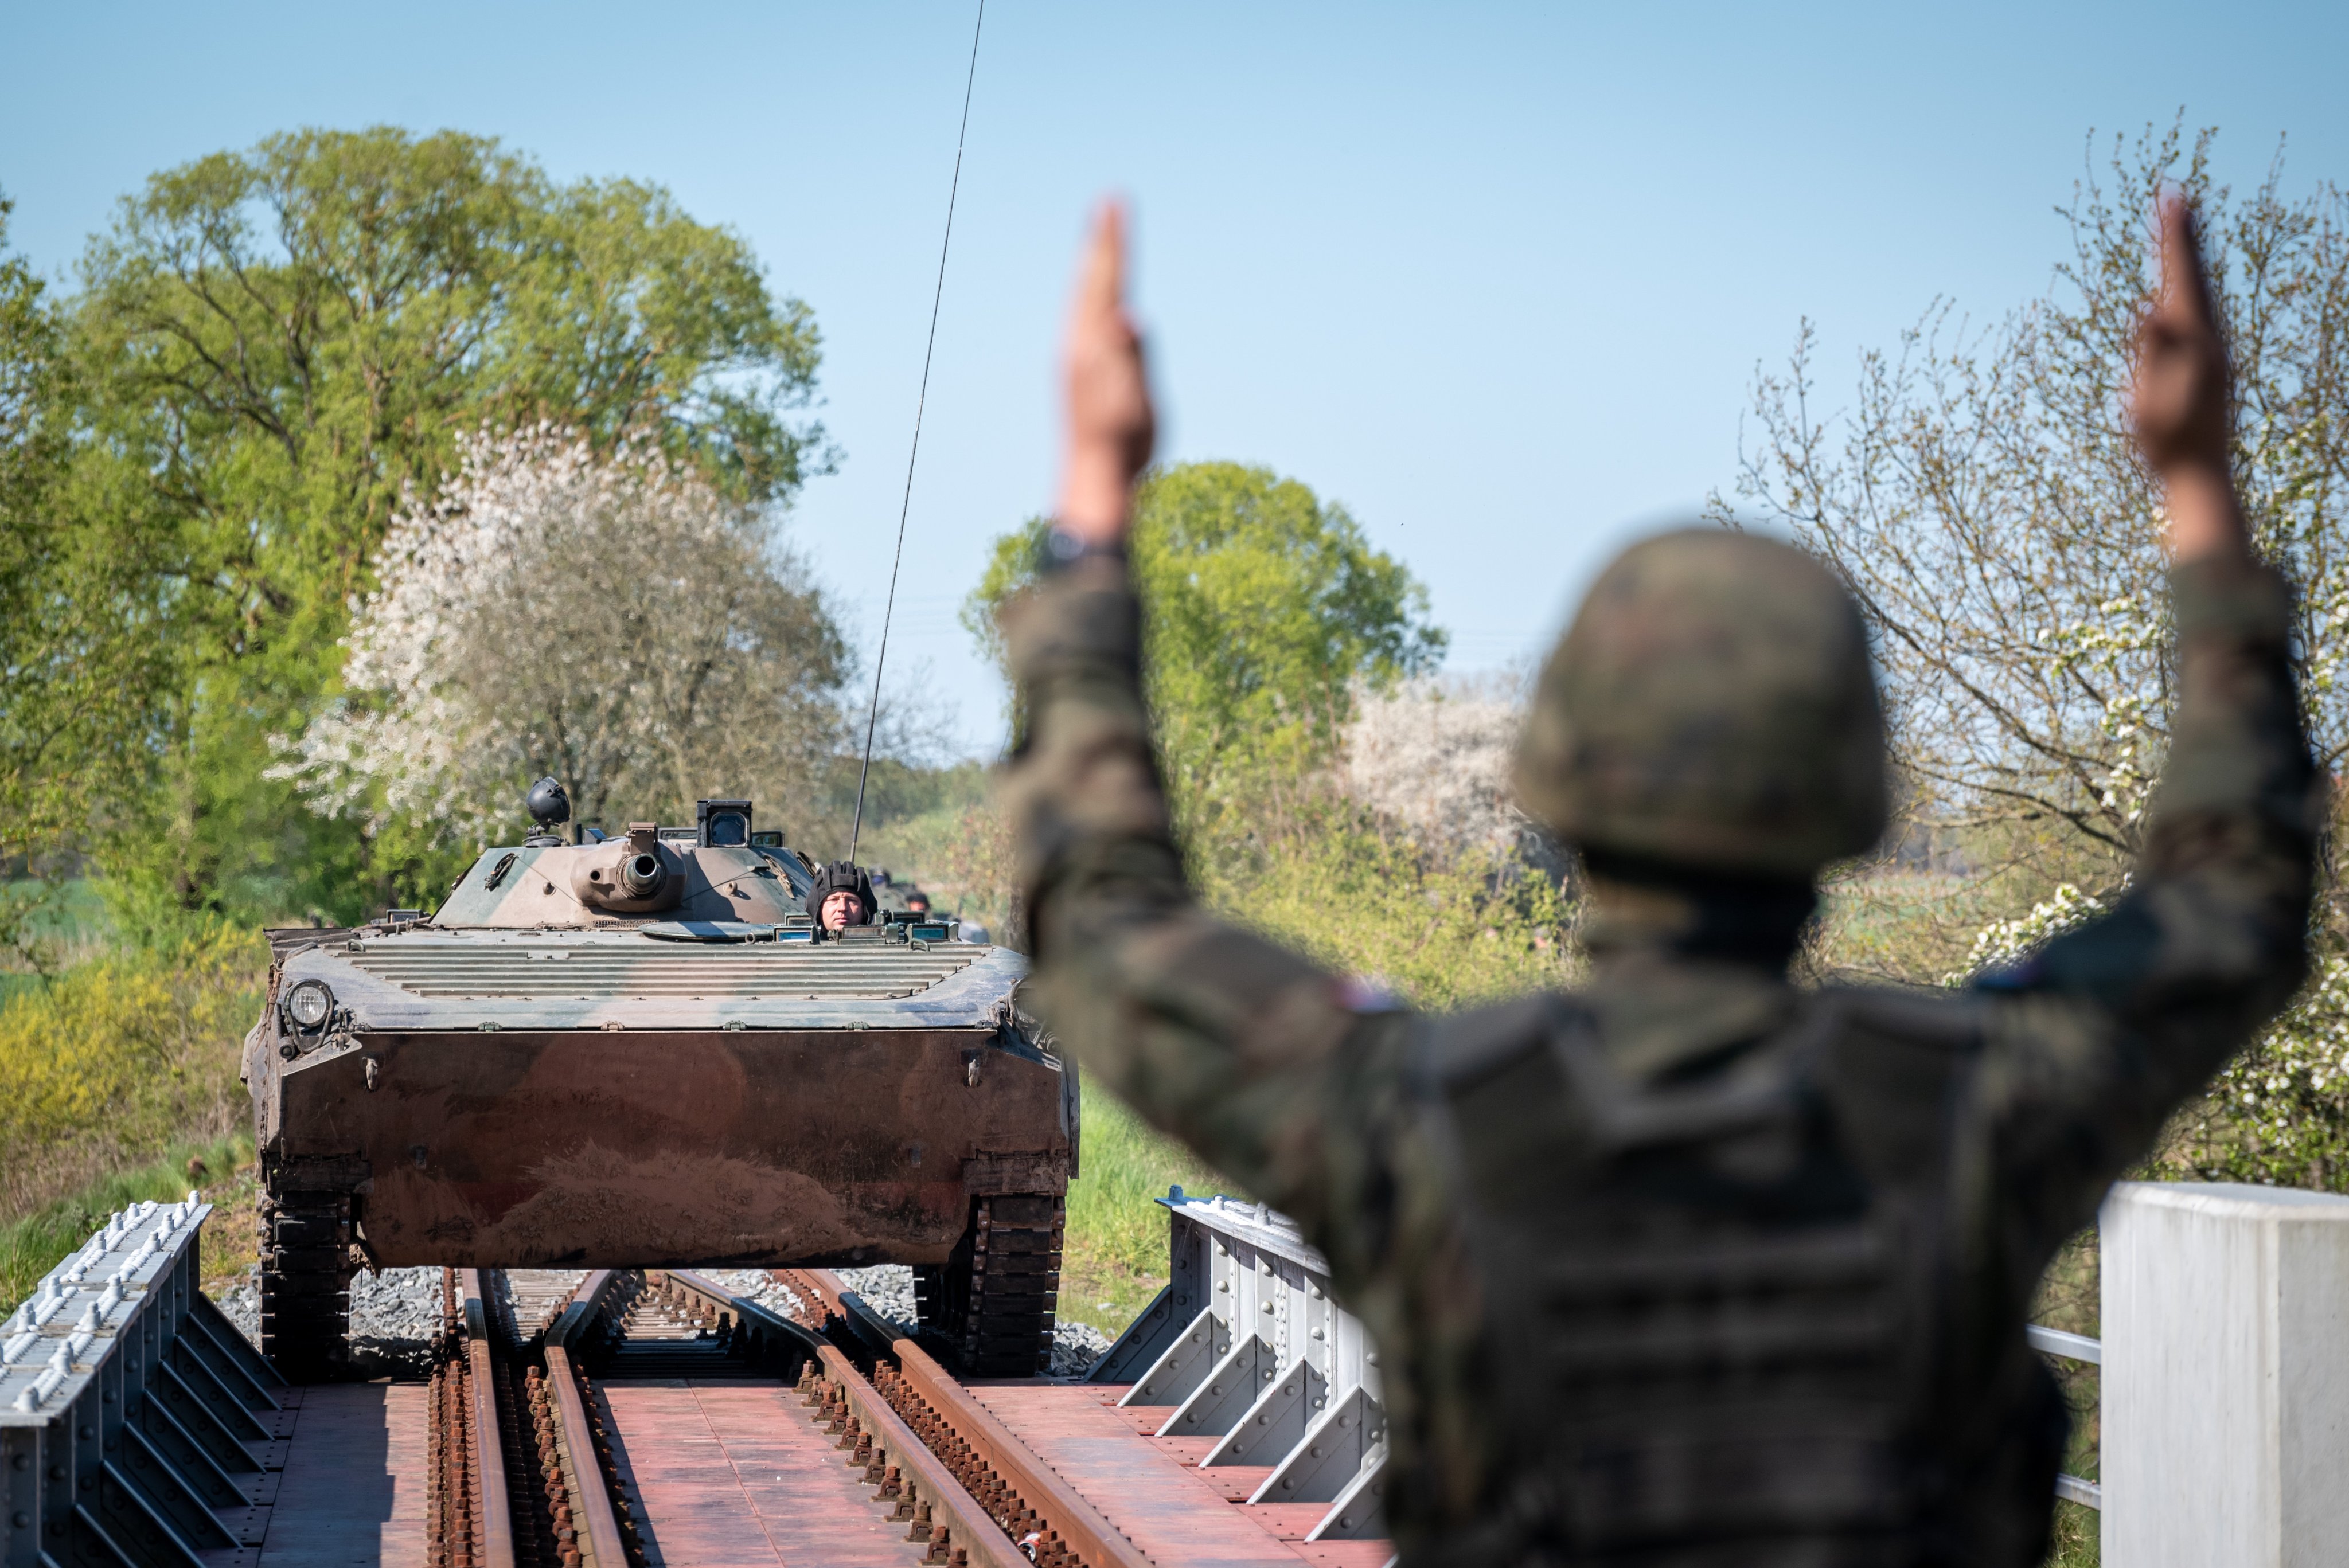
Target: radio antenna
(881,660)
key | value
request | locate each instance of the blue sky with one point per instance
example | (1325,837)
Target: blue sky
(1497,277)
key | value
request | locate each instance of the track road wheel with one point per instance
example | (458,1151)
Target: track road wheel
(305,1275)
(930,1295)
(1003,1285)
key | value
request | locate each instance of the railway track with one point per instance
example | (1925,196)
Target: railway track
(618,1419)
(653,1419)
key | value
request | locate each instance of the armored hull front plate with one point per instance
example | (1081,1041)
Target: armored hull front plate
(758,1148)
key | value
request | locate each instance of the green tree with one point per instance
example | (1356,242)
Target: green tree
(71,642)
(32,452)
(1265,606)
(273,347)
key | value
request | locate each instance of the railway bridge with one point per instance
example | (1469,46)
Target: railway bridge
(643,1418)
(632,1418)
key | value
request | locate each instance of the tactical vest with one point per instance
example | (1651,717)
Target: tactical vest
(1714,1334)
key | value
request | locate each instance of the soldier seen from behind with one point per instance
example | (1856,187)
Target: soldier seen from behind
(1689,1265)
(841,897)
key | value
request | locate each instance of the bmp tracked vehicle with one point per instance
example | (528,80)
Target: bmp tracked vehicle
(639,1052)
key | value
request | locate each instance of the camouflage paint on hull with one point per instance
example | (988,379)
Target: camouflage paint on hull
(614,1149)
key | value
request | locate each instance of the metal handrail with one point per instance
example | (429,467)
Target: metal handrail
(2071,1348)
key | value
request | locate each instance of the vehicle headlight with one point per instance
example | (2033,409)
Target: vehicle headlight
(309,1005)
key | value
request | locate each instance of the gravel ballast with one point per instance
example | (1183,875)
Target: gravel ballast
(396,1313)
(888,1289)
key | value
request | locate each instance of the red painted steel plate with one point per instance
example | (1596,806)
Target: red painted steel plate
(735,1475)
(353,1487)
(1155,1495)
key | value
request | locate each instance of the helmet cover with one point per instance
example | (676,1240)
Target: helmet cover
(1711,706)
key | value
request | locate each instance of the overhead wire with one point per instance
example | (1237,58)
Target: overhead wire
(904,507)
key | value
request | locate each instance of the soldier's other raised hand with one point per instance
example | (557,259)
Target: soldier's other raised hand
(2182,402)
(1111,426)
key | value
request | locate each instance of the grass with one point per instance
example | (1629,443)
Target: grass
(1441,930)
(2068,1300)
(48,926)
(1113,1255)
(220,1171)
(2077,1541)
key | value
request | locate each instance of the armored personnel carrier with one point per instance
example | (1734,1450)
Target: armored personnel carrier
(639,1052)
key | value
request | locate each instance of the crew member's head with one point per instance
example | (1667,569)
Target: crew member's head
(842,896)
(1710,711)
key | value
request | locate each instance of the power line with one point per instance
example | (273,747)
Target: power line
(881,660)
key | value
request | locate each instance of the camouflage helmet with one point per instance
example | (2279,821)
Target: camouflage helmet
(1711,706)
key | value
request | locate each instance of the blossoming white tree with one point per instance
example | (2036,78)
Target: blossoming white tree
(1982,498)
(1984,502)
(1432,753)
(612,620)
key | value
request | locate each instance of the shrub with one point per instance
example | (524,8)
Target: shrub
(113,1060)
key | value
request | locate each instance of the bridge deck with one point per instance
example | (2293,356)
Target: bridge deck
(724,1473)
(352,1493)
(1154,1491)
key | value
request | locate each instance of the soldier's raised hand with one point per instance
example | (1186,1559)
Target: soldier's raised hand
(2181,403)
(1110,425)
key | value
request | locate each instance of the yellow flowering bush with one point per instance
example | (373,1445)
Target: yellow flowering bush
(118,1057)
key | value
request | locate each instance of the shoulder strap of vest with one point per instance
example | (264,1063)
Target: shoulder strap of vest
(1455,1052)
(1760,1088)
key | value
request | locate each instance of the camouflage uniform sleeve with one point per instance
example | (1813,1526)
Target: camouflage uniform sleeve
(1232,1043)
(2096,1039)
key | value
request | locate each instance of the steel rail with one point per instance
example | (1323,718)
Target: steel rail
(591,1493)
(881,1333)
(968,1525)
(818,1285)
(760,1333)
(1081,1526)
(496,1521)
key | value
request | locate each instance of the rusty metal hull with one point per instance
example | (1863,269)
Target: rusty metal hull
(761,1147)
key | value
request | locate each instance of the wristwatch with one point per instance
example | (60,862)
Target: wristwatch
(1063,550)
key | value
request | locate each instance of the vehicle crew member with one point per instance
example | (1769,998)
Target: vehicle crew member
(1688,1266)
(841,897)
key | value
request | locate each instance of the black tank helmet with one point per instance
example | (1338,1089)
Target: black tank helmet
(842,876)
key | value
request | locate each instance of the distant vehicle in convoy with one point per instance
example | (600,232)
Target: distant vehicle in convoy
(899,895)
(637,1051)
